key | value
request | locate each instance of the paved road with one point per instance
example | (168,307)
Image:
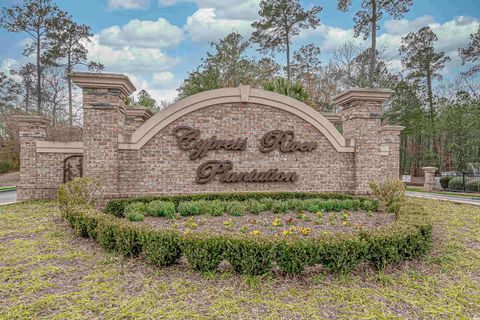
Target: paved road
(467,200)
(8,197)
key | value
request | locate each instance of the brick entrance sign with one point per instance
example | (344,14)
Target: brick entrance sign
(224,140)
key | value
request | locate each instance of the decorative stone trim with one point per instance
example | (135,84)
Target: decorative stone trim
(363,94)
(86,80)
(235,95)
(33,119)
(59,147)
(138,112)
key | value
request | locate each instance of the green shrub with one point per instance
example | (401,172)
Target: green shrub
(189,208)
(5,166)
(117,207)
(390,193)
(444,181)
(312,205)
(369,205)
(135,217)
(106,234)
(456,183)
(136,208)
(235,208)
(203,252)
(160,208)
(255,206)
(279,206)
(293,255)
(340,253)
(267,203)
(161,248)
(250,255)
(356,204)
(296,204)
(472,185)
(127,239)
(214,207)
(78,192)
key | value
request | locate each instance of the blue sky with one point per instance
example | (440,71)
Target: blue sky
(157,42)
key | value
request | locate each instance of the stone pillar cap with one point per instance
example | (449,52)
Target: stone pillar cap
(429,169)
(32,119)
(363,94)
(96,80)
(391,127)
(138,111)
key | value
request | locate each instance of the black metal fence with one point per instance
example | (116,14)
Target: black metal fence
(460,181)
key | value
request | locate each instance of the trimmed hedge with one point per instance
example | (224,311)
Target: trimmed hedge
(134,210)
(117,207)
(409,237)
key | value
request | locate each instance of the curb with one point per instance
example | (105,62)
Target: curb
(7,203)
(461,201)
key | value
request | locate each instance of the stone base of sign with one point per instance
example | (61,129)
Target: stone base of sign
(134,153)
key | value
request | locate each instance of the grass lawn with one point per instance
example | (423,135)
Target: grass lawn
(8,188)
(446,193)
(48,272)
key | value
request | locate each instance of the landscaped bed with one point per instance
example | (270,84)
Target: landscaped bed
(285,243)
(48,271)
(305,224)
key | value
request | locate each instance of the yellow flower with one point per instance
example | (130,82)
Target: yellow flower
(187,231)
(305,231)
(255,232)
(277,222)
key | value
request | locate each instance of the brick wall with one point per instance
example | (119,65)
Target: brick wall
(161,167)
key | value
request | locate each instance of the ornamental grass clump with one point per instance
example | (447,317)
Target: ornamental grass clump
(134,217)
(390,193)
(79,192)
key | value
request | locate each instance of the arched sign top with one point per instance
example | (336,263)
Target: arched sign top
(235,95)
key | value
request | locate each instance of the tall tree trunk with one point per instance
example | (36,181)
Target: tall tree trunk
(69,81)
(39,76)
(430,106)
(288,58)
(27,97)
(374,43)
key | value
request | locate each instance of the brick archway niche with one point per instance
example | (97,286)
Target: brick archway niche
(134,153)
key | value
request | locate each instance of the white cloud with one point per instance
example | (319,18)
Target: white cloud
(142,33)
(225,9)
(129,58)
(158,92)
(404,26)
(128,4)
(163,78)
(205,26)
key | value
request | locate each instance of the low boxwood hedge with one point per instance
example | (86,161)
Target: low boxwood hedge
(239,208)
(407,238)
(117,207)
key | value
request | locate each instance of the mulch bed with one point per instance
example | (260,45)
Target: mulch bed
(271,224)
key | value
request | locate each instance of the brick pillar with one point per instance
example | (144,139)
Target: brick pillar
(103,121)
(31,130)
(390,151)
(362,122)
(429,183)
